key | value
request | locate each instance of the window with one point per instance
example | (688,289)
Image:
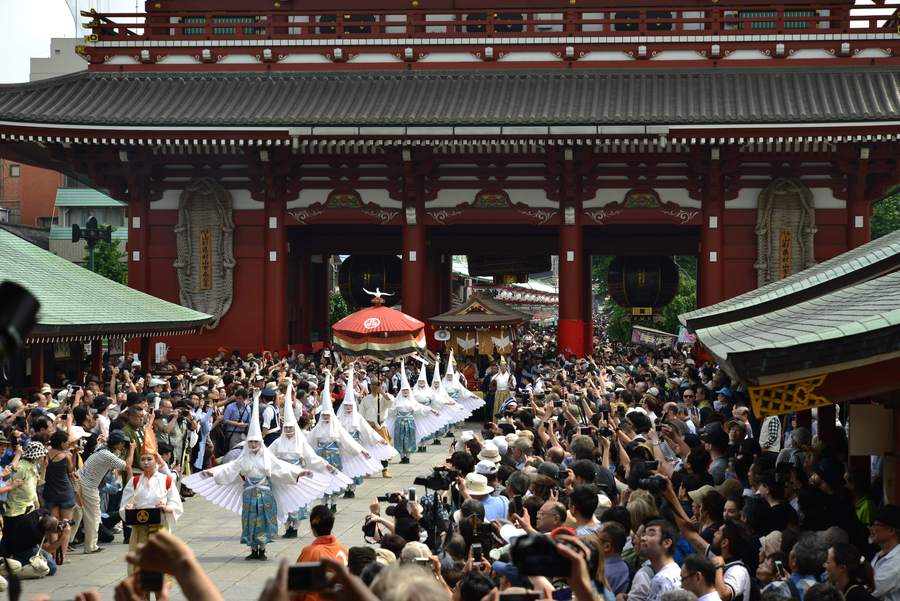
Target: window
(15,170)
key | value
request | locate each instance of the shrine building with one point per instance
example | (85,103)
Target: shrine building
(253,139)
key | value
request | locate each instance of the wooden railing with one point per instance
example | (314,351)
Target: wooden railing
(385,27)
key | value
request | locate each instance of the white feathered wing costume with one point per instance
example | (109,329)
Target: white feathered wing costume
(353,463)
(427,423)
(452,411)
(349,416)
(223,485)
(466,397)
(292,446)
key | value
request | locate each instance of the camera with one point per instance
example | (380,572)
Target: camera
(640,477)
(306,577)
(536,555)
(392,498)
(369,528)
(440,479)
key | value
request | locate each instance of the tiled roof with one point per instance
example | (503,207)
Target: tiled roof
(869,260)
(495,313)
(459,98)
(850,324)
(85,197)
(75,301)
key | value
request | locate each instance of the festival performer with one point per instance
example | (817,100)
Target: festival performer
(271,488)
(504,383)
(457,389)
(409,421)
(150,489)
(454,412)
(425,395)
(336,446)
(292,447)
(360,429)
(374,407)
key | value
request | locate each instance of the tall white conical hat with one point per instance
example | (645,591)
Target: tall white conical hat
(404,381)
(254,432)
(450,362)
(436,376)
(349,420)
(289,399)
(325,403)
(423,376)
(322,430)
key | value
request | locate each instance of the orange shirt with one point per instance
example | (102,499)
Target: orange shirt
(322,546)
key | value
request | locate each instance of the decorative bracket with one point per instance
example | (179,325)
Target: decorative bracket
(787,397)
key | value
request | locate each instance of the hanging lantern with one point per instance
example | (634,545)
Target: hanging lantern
(369,272)
(643,284)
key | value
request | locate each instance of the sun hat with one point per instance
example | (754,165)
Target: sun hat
(45,389)
(477,484)
(489,452)
(698,494)
(34,450)
(501,444)
(486,467)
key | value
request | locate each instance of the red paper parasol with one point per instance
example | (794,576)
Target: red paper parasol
(379,332)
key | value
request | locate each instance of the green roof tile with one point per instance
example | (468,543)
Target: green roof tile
(75,300)
(85,197)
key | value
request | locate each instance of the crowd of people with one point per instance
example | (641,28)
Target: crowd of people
(632,474)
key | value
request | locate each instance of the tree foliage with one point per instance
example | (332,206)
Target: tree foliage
(886,216)
(338,307)
(109,261)
(619,322)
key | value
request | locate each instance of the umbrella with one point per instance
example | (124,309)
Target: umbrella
(379,332)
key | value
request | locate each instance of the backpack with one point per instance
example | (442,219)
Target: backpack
(754,593)
(168,481)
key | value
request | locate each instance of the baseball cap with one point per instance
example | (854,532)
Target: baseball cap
(486,467)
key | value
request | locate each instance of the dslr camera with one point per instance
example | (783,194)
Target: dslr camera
(536,555)
(640,476)
(440,479)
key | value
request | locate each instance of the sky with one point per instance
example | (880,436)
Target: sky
(26,27)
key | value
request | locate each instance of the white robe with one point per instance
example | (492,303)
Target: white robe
(148,494)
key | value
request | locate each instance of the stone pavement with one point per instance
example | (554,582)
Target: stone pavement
(214,535)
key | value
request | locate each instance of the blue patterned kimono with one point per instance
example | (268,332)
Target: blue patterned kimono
(404,434)
(259,515)
(330,451)
(359,479)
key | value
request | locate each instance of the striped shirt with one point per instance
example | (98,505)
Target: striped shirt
(97,466)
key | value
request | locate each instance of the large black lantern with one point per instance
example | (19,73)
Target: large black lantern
(359,272)
(643,283)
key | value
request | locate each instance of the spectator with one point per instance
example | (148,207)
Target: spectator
(658,546)
(849,572)
(886,563)
(698,575)
(325,544)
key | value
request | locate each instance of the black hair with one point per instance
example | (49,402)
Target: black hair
(697,564)
(58,439)
(393,543)
(474,586)
(584,469)
(321,520)
(823,592)
(615,534)
(667,531)
(859,571)
(619,514)
(584,500)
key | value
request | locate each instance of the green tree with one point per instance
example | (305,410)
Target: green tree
(338,307)
(109,261)
(886,215)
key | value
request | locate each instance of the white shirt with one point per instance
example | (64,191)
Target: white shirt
(668,578)
(149,492)
(368,408)
(504,380)
(736,577)
(713,596)
(887,575)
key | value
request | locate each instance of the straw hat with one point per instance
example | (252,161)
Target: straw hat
(489,452)
(477,485)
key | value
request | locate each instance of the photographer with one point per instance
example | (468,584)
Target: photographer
(406,514)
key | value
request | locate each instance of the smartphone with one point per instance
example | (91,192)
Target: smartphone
(779,567)
(585,430)
(151,581)
(306,577)
(423,562)
(652,465)
(477,555)
(526,596)
(518,505)
(558,403)
(411,494)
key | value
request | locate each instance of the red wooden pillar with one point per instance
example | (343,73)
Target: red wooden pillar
(711,266)
(138,241)
(37,365)
(318,294)
(275,293)
(414,257)
(826,429)
(446,282)
(588,305)
(76,350)
(571,327)
(858,207)
(146,359)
